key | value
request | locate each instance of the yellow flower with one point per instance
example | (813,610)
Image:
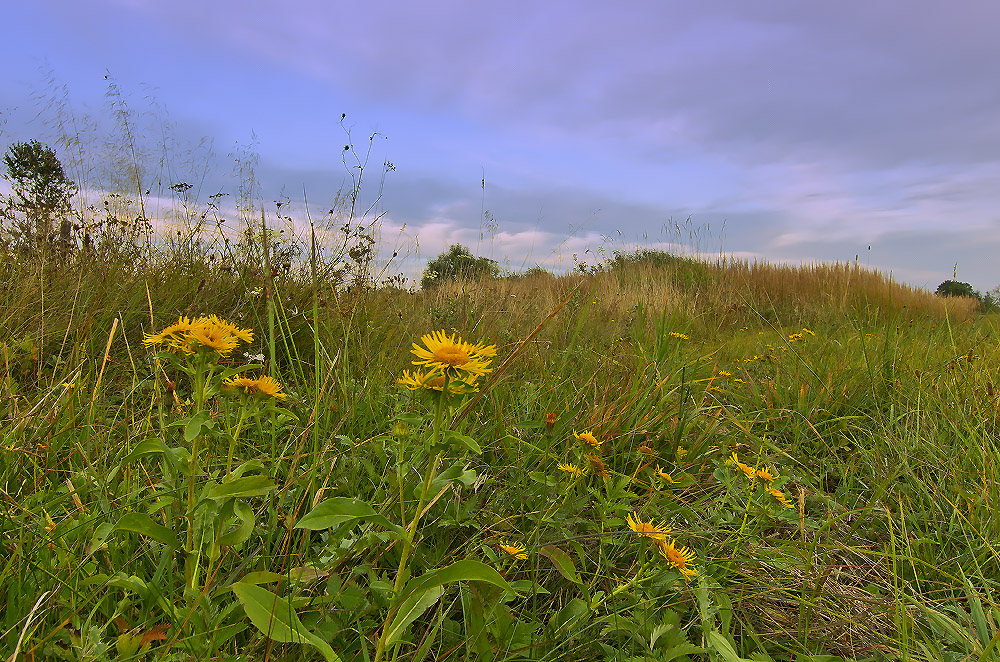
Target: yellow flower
(589,439)
(795,337)
(262,386)
(515,549)
(767,474)
(780,497)
(725,373)
(680,557)
(811,333)
(206,333)
(679,336)
(571,469)
(664,475)
(648,529)
(187,335)
(453,356)
(433,380)
(747,470)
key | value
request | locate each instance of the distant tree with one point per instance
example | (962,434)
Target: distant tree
(38,211)
(457,262)
(955,288)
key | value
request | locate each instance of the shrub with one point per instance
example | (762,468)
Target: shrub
(458,262)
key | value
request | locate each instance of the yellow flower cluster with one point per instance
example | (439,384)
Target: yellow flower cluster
(448,363)
(515,549)
(208,333)
(765,474)
(679,557)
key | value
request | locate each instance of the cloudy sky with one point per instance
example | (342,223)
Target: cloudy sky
(785,131)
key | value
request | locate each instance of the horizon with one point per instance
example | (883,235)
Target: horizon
(791,135)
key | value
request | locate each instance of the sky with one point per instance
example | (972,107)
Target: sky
(548,133)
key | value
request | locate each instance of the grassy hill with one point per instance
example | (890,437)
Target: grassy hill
(666,459)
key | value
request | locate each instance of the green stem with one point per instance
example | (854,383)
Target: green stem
(411,530)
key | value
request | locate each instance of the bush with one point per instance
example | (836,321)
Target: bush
(458,262)
(955,288)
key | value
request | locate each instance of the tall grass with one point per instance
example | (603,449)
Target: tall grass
(874,403)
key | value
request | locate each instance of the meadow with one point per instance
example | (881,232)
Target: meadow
(210,455)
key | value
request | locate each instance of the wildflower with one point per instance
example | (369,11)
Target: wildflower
(679,336)
(811,333)
(767,474)
(644,449)
(739,382)
(680,557)
(589,439)
(664,475)
(795,337)
(515,549)
(747,470)
(780,497)
(434,381)
(452,356)
(262,386)
(725,373)
(187,335)
(550,420)
(648,529)
(597,465)
(205,333)
(573,470)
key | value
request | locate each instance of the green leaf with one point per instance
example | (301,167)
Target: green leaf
(147,447)
(720,644)
(343,509)
(452,437)
(563,563)
(244,513)
(144,525)
(247,486)
(421,592)
(196,423)
(275,617)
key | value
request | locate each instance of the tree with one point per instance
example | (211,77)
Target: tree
(458,262)
(39,208)
(955,288)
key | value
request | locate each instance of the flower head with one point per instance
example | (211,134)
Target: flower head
(188,335)
(550,420)
(515,549)
(680,557)
(263,386)
(679,336)
(767,474)
(648,529)
(664,475)
(571,469)
(589,439)
(780,497)
(453,356)
(433,380)
(747,470)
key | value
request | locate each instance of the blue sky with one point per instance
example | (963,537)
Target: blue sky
(785,131)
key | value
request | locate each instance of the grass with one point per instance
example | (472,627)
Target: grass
(871,405)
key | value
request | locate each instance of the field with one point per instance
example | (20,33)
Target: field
(660,458)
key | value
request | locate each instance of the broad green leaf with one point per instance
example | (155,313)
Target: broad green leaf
(563,563)
(146,447)
(244,514)
(410,610)
(247,486)
(421,592)
(144,525)
(273,616)
(452,437)
(196,423)
(343,509)
(720,644)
